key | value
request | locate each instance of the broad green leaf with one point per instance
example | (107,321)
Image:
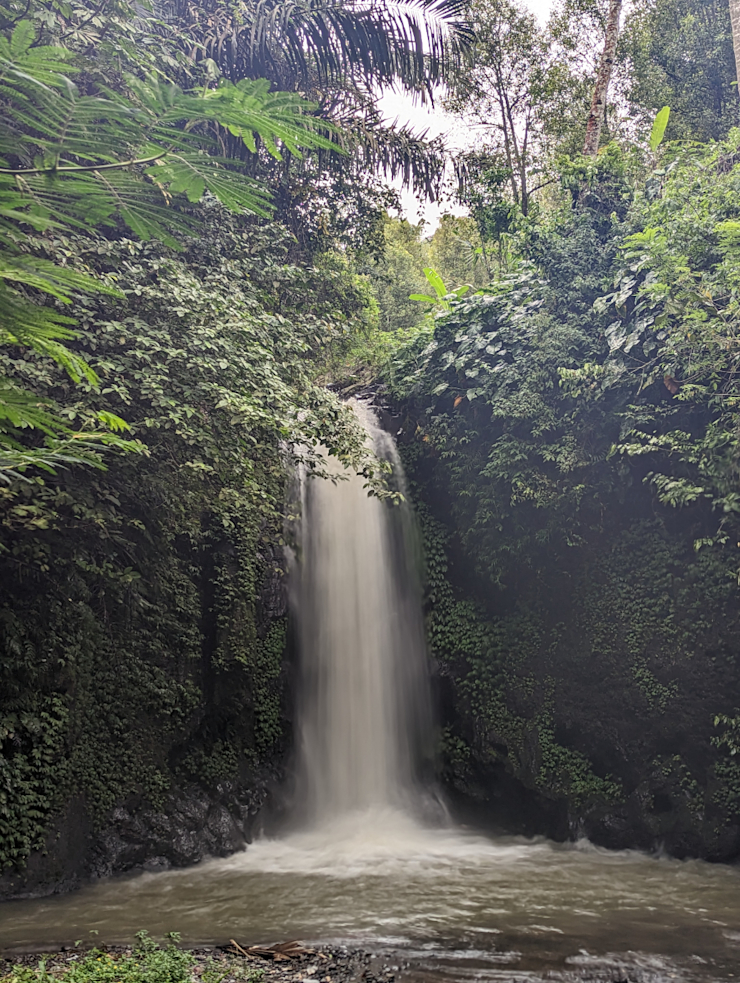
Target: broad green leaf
(659,128)
(435,281)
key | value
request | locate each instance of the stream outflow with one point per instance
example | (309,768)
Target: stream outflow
(363,865)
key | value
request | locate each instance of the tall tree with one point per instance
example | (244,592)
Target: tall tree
(603,77)
(528,93)
(735,20)
(499,92)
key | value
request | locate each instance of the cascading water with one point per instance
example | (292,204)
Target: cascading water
(364,718)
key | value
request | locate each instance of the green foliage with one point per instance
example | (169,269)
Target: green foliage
(146,962)
(342,54)
(674,308)
(395,272)
(266,697)
(441,293)
(73,159)
(487,659)
(456,252)
(406,265)
(729,737)
(727,793)
(556,421)
(679,53)
(483,182)
(134,651)
(569,773)
(29,778)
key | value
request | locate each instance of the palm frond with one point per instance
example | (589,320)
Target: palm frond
(397,152)
(409,43)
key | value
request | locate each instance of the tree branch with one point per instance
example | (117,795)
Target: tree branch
(77,169)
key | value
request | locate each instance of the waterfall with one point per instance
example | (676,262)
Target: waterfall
(364,721)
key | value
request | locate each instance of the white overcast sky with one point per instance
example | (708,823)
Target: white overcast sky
(437,123)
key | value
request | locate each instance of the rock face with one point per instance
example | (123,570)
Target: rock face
(191,825)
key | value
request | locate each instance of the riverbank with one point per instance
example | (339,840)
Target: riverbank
(320,964)
(204,964)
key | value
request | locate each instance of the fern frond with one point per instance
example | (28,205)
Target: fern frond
(43,66)
(42,274)
(193,174)
(22,410)
(43,330)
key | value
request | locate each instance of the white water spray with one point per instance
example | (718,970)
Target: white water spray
(364,720)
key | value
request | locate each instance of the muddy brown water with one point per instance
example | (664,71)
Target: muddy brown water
(454,904)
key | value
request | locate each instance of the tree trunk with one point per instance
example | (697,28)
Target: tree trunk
(507,148)
(606,64)
(735,18)
(518,155)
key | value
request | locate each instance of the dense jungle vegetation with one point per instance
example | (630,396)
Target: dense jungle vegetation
(200,256)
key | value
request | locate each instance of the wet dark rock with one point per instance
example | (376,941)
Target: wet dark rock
(190,826)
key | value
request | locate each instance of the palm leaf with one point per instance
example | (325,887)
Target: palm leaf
(412,43)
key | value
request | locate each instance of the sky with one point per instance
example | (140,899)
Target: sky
(396,106)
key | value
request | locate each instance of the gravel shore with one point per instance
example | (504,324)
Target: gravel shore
(328,964)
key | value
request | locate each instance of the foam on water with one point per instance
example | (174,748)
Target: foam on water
(378,842)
